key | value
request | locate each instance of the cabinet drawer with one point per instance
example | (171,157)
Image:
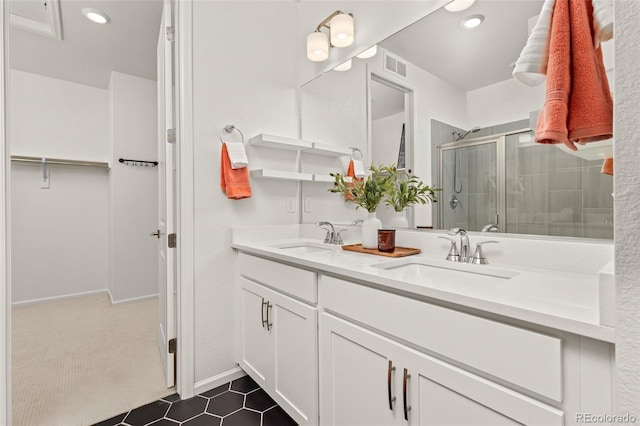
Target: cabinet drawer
(522,357)
(294,281)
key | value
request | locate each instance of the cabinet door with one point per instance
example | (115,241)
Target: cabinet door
(256,345)
(444,395)
(295,378)
(356,384)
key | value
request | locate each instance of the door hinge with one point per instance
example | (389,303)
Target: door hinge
(170,34)
(171,135)
(173,345)
(171,240)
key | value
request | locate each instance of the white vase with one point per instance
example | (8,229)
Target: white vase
(370,228)
(399,220)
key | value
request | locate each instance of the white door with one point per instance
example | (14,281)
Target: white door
(166,185)
(256,343)
(361,376)
(295,379)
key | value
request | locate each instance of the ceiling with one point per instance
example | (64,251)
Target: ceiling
(468,59)
(88,52)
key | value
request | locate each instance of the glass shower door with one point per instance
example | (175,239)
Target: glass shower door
(469,182)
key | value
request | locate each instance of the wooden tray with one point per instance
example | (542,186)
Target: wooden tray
(398,252)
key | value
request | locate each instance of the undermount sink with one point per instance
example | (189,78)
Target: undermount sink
(422,266)
(305,248)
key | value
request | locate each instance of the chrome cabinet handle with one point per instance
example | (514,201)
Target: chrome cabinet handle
(407,407)
(391,398)
(264,321)
(269,324)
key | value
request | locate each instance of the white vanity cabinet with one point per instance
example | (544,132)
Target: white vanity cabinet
(368,379)
(278,335)
(387,359)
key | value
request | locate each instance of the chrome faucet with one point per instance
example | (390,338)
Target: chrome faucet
(492,227)
(333,236)
(465,251)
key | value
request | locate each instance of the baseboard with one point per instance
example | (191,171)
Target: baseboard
(132,300)
(215,381)
(59,298)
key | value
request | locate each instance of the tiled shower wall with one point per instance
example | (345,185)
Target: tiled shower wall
(548,192)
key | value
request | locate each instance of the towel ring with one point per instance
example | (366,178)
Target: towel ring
(228,129)
(353,152)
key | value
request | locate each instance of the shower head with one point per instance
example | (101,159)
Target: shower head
(461,136)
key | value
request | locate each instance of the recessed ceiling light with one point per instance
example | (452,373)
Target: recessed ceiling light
(472,21)
(96,15)
(345,66)
(369,53)
(458,5)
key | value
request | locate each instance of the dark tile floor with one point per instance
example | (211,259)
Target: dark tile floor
(238,403)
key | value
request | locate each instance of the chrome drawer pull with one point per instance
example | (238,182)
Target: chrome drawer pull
(269,324)
(264,321)
(389,371)
(407,407)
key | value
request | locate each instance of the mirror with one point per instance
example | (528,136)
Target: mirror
(462,96)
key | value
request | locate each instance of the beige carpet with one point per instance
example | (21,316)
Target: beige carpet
(80,361)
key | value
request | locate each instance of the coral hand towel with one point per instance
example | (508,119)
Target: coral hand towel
(234,182)
(351,172)
(578,105)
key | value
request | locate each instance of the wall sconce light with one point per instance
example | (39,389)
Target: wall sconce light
(340,26)
(345,66)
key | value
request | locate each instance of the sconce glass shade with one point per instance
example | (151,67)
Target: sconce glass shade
(459,5)
(317,46)
(345,66)
(369,53)
(341,30)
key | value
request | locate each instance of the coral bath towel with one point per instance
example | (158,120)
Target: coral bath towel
(234,182)
(578,105)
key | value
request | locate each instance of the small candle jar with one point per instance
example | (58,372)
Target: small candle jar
(386,240)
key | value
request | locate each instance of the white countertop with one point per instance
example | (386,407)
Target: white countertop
(567,301)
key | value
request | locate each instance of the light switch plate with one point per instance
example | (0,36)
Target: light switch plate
(291,204)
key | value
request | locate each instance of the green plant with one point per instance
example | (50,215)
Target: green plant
(366,193)
(404,189)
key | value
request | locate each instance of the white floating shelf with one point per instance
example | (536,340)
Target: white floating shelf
(291,144)
(280,175)
(323,178)
(328,150)
(280,142)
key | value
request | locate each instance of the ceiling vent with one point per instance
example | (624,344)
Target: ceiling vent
(39,17)
(395,65)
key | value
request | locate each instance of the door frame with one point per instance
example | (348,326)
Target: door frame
(5,238)
(185,285)
(381,76)
(185,201)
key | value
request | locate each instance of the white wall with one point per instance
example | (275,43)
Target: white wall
(59,244)
(334,112)
(627,206)
(503,102)
(64,230)
(56,118)
(133,190)
(243,74)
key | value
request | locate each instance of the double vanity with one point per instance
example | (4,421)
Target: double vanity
(343,338)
